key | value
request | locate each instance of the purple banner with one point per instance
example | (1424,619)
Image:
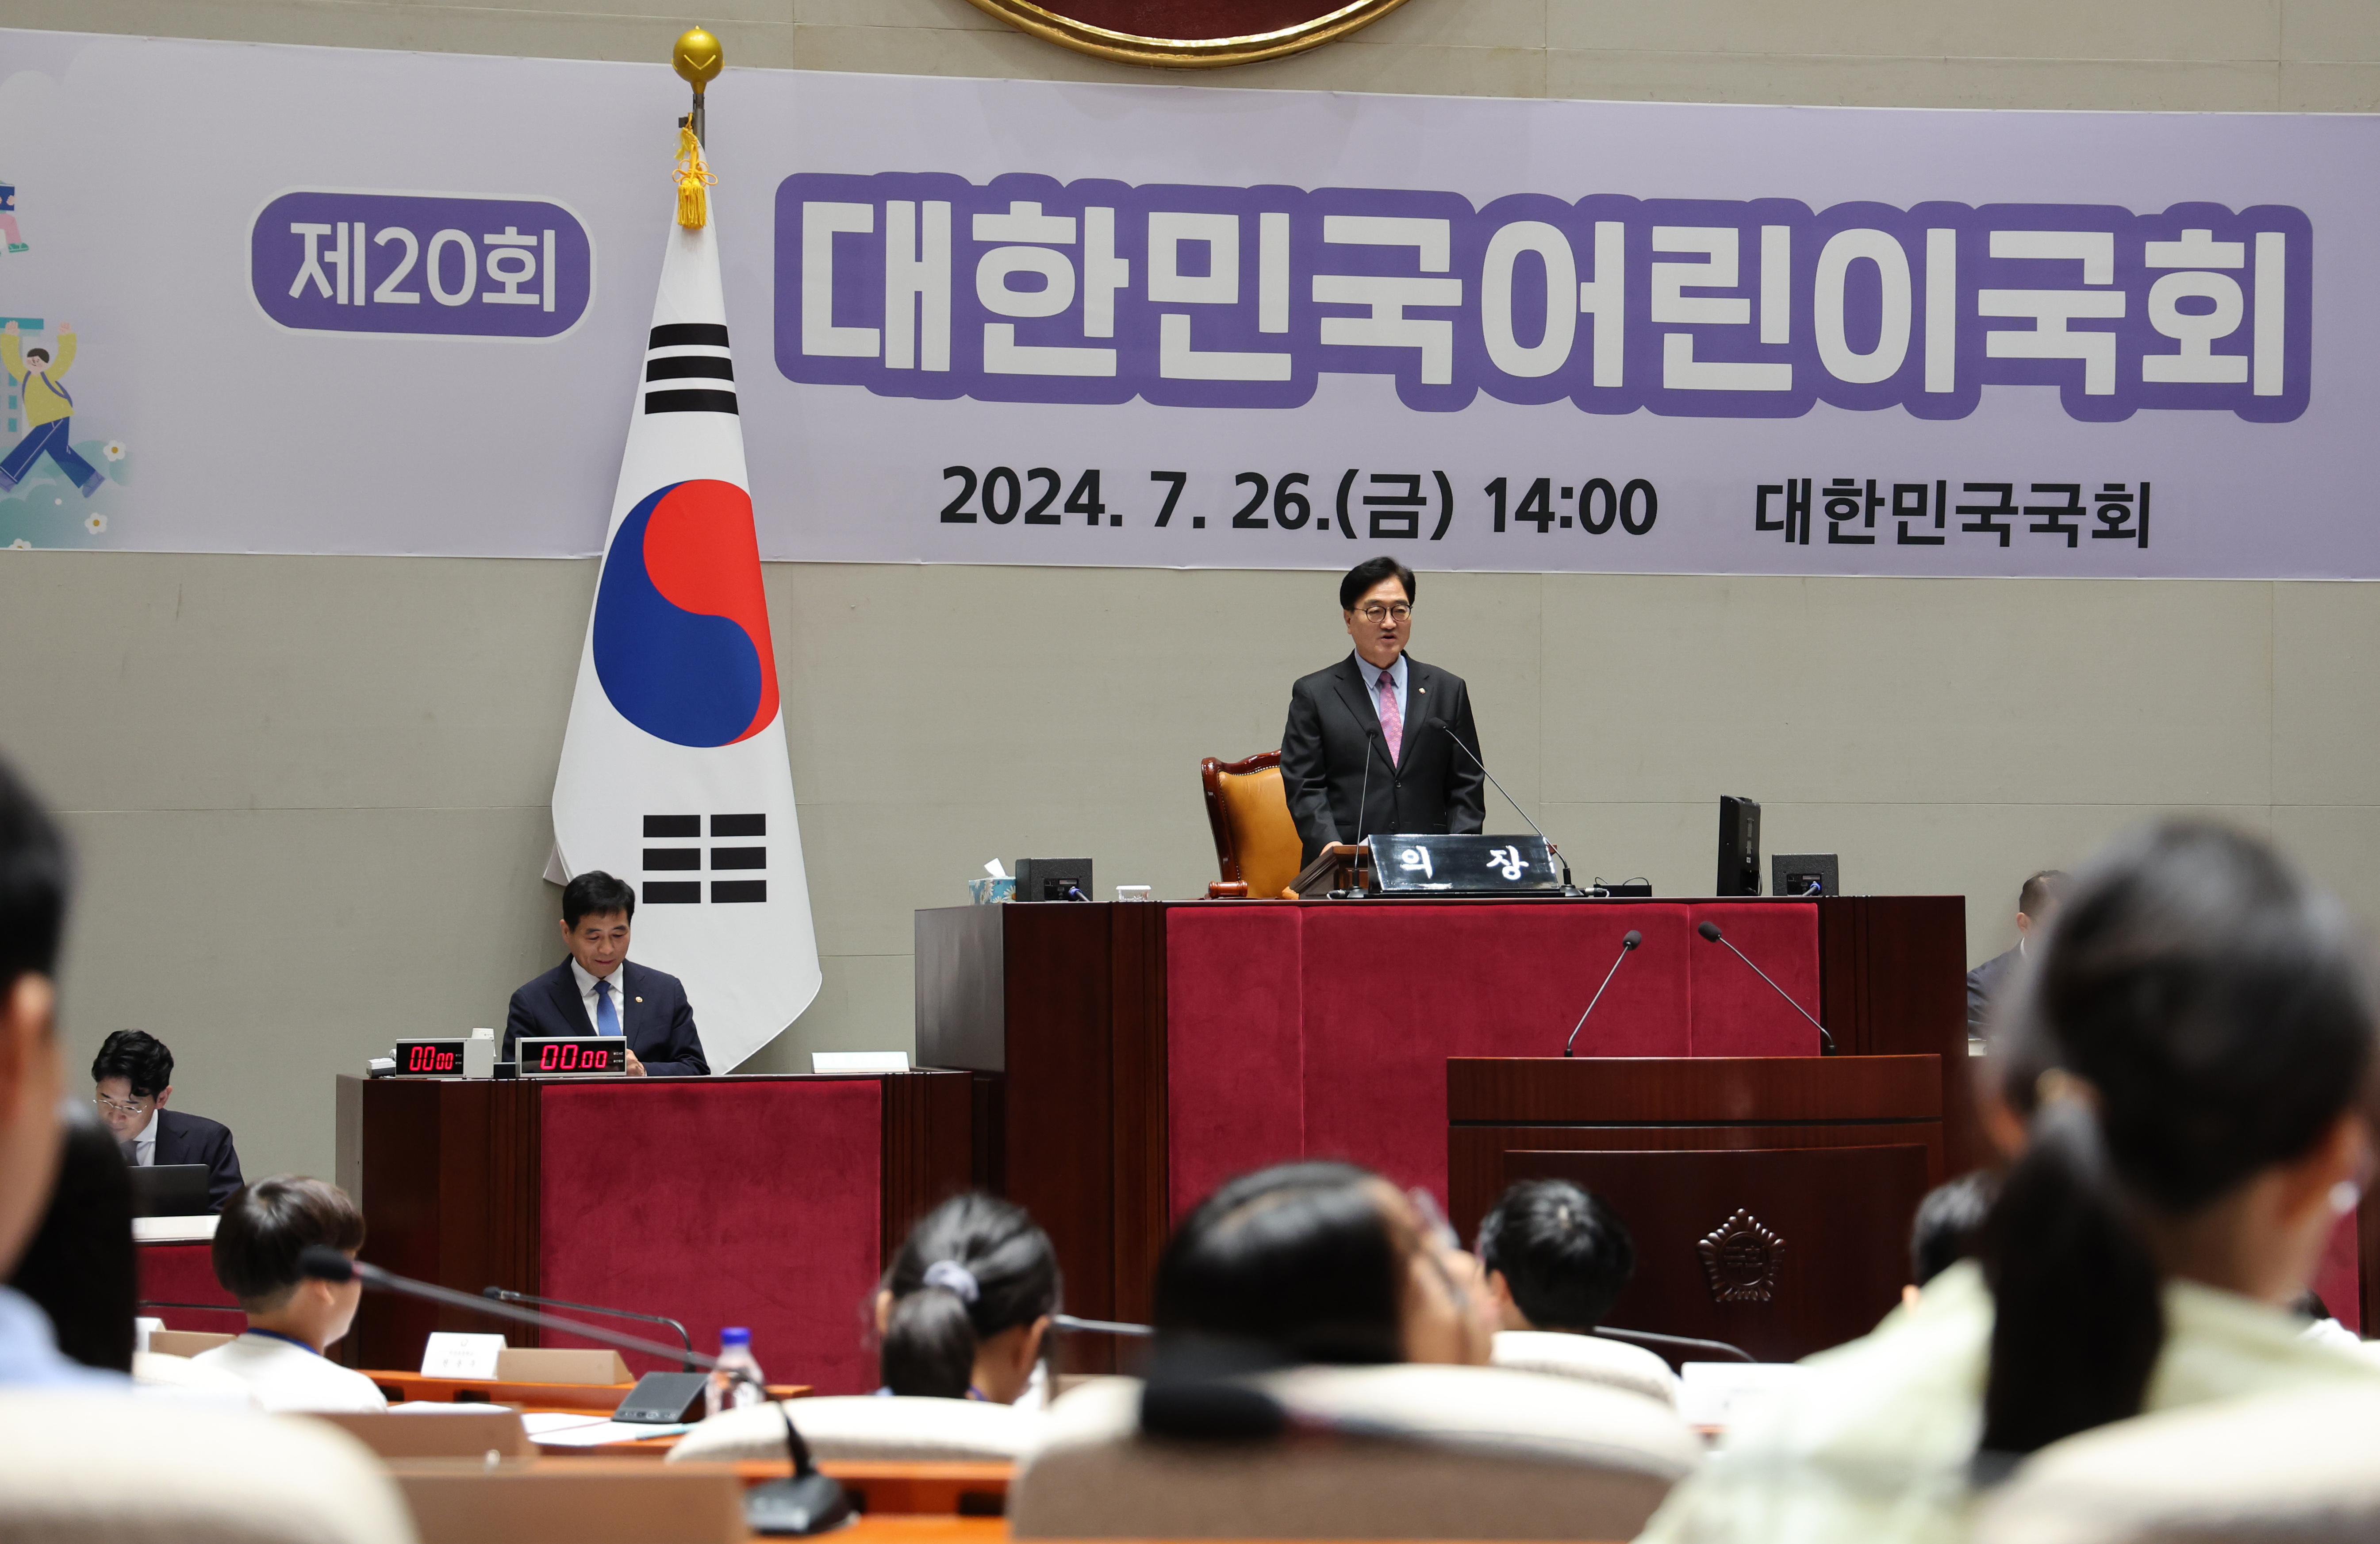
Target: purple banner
(383,262)
(925,285)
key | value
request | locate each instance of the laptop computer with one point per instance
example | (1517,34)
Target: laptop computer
(170,1190)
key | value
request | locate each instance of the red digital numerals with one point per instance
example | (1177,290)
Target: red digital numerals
(429,1058)
(568,1056)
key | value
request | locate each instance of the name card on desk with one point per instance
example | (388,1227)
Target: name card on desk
(450,1354)
(1464,865)
(1715,1395)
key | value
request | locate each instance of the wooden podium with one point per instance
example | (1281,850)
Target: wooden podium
(1768,1197)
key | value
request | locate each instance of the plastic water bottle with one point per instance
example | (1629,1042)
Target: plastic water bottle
(728,1391)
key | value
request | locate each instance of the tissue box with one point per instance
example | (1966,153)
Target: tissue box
(990,892)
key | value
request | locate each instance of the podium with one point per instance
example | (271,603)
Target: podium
(1127,1058)
(767,1201)
(1768,1197)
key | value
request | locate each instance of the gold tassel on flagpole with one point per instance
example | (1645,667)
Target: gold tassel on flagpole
(697,59)
(694,181)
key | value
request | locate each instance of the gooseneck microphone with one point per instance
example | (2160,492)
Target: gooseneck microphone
(1627,946)
(808,1502)
(1568,888)
(504,1295)
(1710,931)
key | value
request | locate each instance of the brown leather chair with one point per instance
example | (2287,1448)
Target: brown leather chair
(1257,843)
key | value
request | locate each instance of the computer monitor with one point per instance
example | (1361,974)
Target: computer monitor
(170,1190)
(1739,847)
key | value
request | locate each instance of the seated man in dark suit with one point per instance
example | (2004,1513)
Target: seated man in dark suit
(2036,904)
(134,1075)
(1368,746)
(597,991)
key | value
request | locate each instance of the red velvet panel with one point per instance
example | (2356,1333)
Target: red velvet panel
(769,1216)
(2339,1278)
(1323,1029)
(1234,1056)
(186,1274)
(1391,991)
(1737,1014)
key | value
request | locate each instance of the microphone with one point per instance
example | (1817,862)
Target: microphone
(1627,946)
(808,1502)
(1101,1327)
(1710,931)
(1568,888)
(504,1294)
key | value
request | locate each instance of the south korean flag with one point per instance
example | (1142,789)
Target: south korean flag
(674,775)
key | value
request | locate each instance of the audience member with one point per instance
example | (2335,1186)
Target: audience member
(1555,1258)
(132,1079)
(2204,1018)
(1315,1262)
(292,1317)
(964,1311)
(33,918)
(1944,1230)
(80,1269)
(2036,903)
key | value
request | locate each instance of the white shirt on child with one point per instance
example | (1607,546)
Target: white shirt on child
(287,1376)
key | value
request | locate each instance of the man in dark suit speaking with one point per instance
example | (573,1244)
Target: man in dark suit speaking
(597,991)
(1367,750)
(132,1077)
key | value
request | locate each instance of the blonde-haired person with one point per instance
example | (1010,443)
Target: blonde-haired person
(2199,1025)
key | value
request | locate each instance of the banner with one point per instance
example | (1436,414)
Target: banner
(345,302)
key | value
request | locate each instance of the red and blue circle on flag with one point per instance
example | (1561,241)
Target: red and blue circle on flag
(681,629)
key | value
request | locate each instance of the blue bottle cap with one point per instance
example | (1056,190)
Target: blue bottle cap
(735,1337)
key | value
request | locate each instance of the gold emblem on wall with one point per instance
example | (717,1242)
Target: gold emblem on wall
(1739,1257)
(1222,32)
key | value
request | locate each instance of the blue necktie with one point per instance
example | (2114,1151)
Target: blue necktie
(607,1018)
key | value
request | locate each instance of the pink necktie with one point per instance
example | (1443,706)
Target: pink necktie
(1392,723)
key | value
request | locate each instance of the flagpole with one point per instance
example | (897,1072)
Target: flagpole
(697,60)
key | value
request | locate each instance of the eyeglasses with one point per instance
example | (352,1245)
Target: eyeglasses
(1376,614)
(137,1107)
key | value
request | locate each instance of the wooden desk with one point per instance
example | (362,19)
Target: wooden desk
(402,1386)
(1801,1174)
(770,1202)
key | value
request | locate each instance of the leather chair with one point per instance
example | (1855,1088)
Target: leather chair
(1486,1453)
(886,1427)
(1256,844)
(2286,1468)
(108,1467)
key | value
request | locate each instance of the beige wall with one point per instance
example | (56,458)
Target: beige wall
(309,793)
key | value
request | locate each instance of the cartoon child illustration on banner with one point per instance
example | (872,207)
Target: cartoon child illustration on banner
(17,242)
(49,410)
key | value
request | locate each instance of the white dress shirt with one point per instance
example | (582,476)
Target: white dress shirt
(1397,675)
(144,1147)
(287,1376)
(619,979)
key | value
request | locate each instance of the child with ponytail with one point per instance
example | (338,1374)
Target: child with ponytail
(964,1311)
(2194,1039)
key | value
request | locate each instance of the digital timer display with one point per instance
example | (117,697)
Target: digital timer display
(430,1058)
(576,1056)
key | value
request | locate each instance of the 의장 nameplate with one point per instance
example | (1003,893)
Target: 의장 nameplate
(1463,865)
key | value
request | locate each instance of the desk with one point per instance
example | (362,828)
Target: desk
(766,1201)
(1128,1057)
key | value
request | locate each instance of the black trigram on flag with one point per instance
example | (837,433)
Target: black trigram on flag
(687,368)
(730,850)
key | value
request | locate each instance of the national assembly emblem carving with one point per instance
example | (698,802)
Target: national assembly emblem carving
(1739,1257)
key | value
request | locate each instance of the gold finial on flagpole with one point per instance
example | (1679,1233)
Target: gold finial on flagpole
(697,59)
